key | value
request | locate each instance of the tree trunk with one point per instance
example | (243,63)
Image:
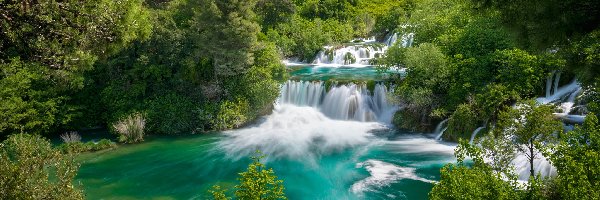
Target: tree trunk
(531,159)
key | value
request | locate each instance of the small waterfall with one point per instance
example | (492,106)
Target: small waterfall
(407,40)
(438,129)
(439,136)
(549,84)
(345,102)
(556,81)
(360,54)
(350,55)
(390,40)
(475,134)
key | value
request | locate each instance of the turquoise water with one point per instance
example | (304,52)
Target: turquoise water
(312,72)
(186,167)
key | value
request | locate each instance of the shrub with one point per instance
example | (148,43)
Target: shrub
(462,122)
(27,163)
(70,137)
(230,115)
(257,182)
(131,128)
(171,113)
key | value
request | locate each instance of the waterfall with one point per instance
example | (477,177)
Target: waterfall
(438,129)
(360,54)
(390,40)
(556,81)
(549,84)
(439,136)
(475,134)
(350,55)
(345,102)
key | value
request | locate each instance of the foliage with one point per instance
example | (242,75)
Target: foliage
(530,127)
(79,147)
(541,24)
(426,81)
(257,182)
(576,159)
(71,136)
(228,34)
(46,46)
(171,113)
(519,71)
(303,38)
(478,181)
(231,115)
(32,169)
(130,128)
(26,103)
(274,12)
(462,123)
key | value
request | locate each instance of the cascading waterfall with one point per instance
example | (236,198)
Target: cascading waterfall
(439,136)
(549,84)
(475,132)
(345,102)
(360,54)
(438,129)
(556,81)
(564,97)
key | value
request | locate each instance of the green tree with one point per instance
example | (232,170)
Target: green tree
(32,169)
(274,12)
(530,127)
(47,46)
(257,182)
(475,181)
(426,81)
(577,160)
(226,34)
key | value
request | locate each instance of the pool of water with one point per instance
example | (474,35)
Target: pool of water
(316,158)
(342,73)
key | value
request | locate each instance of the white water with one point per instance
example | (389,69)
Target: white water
(298,133)
(475,134)
(439,136)
(565,98)
(345,102)
(383,174)
(362,53)
(438,129)
(541,165)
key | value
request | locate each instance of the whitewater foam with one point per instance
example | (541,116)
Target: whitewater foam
(299,133)
(383,174)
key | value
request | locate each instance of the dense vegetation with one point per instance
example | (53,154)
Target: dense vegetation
(479,64)
(141,67)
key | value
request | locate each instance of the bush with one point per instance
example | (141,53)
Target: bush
(256,182)
(79,147)
(462,123)
(171,113)
(131,128)
(26,164)
(230,115)
(70,137)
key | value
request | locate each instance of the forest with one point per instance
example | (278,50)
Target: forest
(167,68)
